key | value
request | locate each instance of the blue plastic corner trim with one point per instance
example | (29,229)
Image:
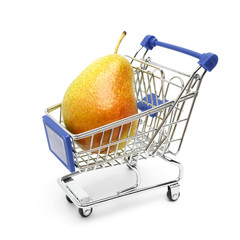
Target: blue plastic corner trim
(148,42)
(207,60)
(69,163)
(143,106)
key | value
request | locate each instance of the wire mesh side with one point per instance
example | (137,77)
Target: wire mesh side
(154,88)
(115,149)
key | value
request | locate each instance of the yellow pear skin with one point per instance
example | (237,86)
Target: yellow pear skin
(101,94)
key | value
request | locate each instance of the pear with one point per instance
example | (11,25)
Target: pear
(103,93)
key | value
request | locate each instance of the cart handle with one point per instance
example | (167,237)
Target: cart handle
(206,60)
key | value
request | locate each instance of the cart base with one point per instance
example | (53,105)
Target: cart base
(82,200)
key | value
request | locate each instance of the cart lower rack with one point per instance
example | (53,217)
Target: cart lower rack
(165,99)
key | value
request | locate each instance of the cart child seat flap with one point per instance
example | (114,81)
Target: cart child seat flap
(152,100)
(59,143)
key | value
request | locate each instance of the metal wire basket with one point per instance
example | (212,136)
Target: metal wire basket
(165,98)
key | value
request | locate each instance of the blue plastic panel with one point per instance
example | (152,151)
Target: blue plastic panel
(59,143)
(143,106)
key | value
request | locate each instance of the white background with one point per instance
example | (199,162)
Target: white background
(44,45)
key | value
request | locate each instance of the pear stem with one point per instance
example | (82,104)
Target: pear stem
(120,40)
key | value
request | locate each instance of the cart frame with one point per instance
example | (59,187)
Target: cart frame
(158,122)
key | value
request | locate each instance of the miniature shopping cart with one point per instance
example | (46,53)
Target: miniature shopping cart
(165,98)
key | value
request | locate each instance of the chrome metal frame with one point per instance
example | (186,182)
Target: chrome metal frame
(158,129)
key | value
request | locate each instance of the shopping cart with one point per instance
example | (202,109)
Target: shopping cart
(165,99)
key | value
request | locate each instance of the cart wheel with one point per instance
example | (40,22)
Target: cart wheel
(172,197)
(68,199)
(85,212)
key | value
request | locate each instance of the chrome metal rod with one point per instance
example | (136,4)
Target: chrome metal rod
(169,112)
(135,185)
(190,112)
(138,190)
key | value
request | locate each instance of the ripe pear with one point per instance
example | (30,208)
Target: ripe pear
(103,93)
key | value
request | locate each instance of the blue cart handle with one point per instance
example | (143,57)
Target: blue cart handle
(207,60)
